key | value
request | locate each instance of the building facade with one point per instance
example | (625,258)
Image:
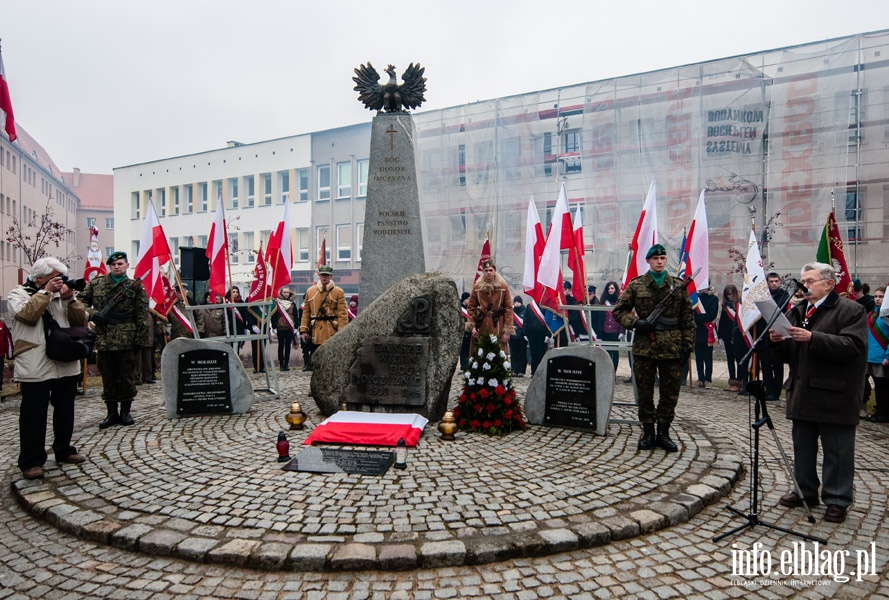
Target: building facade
(775,138)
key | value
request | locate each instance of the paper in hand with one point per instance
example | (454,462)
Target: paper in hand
(767,309)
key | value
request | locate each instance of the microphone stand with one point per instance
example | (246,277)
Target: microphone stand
(757,390)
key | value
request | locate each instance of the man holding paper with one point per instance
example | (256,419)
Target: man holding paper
(826,352)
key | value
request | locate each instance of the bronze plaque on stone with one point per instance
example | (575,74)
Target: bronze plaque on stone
(389,371)
(570,392)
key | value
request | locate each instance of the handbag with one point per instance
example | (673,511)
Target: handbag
(67,344)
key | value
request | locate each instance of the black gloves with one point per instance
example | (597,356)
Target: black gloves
(99,319)
(643,326)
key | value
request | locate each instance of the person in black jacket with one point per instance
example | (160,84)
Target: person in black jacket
(518,346)
(704,321)
(772,370)
(727,331)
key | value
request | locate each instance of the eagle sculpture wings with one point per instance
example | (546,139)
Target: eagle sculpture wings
(390,97)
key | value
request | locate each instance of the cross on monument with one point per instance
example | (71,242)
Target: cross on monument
(391,131)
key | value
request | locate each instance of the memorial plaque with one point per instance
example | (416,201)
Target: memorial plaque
(389,371)
(203,383)
(339,460)
(570,392)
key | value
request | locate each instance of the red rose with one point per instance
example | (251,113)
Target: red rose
(508,414)
(486,425)
(462,423)
(462,399)
(478,408)
(474,424)
(472,396)
(484,393)
(497,422)
(507,401)
(500,390)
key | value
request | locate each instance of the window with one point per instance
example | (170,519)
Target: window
(90,222)
(175,192)
(324,182)
(248,244)
(511,158)
(232,192)
(461,163)
(203,197)
(187,199)
(571,151)
(344,180)
(359,239)
(109,250)
(302,244)
(344,242)
(161,198)
(266,189)
(251,190)
(202,241)
(853,214)
(363,167)
(135,205)
(284,185)
(109,222)
(849,112)
(174,249)
(233,247)
(546,152)
(322,233)
(302,178)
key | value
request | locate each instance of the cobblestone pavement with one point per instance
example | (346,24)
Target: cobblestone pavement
(198,507)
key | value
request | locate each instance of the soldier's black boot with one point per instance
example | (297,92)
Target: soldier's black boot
(663,438)
(646,442)
(113,418)
(125,417)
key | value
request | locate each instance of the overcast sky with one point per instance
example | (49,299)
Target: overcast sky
(107,83)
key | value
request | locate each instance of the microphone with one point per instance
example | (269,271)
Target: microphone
(801,287)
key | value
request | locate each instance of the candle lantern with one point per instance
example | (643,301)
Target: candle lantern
(401,455)
(283,447)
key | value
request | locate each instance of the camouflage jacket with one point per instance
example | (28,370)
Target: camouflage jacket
(127,327)
(676,333)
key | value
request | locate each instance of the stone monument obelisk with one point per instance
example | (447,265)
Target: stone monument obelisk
(393,239)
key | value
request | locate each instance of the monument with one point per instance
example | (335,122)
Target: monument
(573,387)
(393,238)
(204,377)
(397,356)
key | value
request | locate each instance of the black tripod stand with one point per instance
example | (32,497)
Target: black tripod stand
(757,391)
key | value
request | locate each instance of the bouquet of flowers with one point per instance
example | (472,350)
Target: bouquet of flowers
(488,402)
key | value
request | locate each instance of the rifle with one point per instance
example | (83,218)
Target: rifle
(101,317)
(667,300)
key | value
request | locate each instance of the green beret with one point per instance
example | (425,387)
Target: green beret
(325,270)
(115,256)
(656,250)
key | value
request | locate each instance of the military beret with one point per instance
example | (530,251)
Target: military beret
(115,256)
(656,250)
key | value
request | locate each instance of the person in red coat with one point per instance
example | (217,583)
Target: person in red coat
(827,354)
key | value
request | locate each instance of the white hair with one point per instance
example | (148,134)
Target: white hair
(825,271)
(46,265)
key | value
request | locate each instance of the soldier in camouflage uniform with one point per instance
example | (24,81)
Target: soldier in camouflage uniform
(658,349)
(120,334)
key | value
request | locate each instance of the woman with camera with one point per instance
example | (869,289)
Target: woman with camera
(44,381)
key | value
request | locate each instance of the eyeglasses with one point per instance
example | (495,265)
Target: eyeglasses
(809,282)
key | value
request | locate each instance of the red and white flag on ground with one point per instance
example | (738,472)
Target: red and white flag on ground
(576,261)
(154,252)
(697,253)
(279,254)
(6,104)
(534,245)
(259,287)
(217,252)
(373,429)
(94,266)
(485,255)
(644,238)
(755,288)
(560,237)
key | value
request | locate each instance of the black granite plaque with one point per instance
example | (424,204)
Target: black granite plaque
(339,460)
(570,392)
(203,383)
(389,371)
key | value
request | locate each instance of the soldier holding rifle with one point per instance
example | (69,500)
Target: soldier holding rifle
(665,334)
(324,313)
(117,307)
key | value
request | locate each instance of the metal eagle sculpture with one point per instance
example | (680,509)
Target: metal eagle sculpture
(390,97)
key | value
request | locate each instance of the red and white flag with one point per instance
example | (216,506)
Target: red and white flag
(576,261)
(644,238)
(373,429)
(279,254)
(534,244)
(697,253)
(485,255)
(259,287)
(322,253)
(94,266)
(163,310)
(560,237)
(154,252)
(6,104)
(217,252)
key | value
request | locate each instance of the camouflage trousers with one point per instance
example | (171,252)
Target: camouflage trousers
(669,371)
(118,371)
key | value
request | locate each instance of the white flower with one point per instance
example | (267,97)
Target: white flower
(506,365)
(486,367)
(493,338)
(481,352)
(468,376)
(475,365)
(502,354)
(493,383)
(490,356)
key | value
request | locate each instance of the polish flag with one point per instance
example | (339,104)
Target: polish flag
(534,245)
(153,253)
(279,253)
(575,259)
(6,104)
(259,287)
(560,237)
(696,254)
(371,429)
(644,238)
(485,255)
(217,252)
